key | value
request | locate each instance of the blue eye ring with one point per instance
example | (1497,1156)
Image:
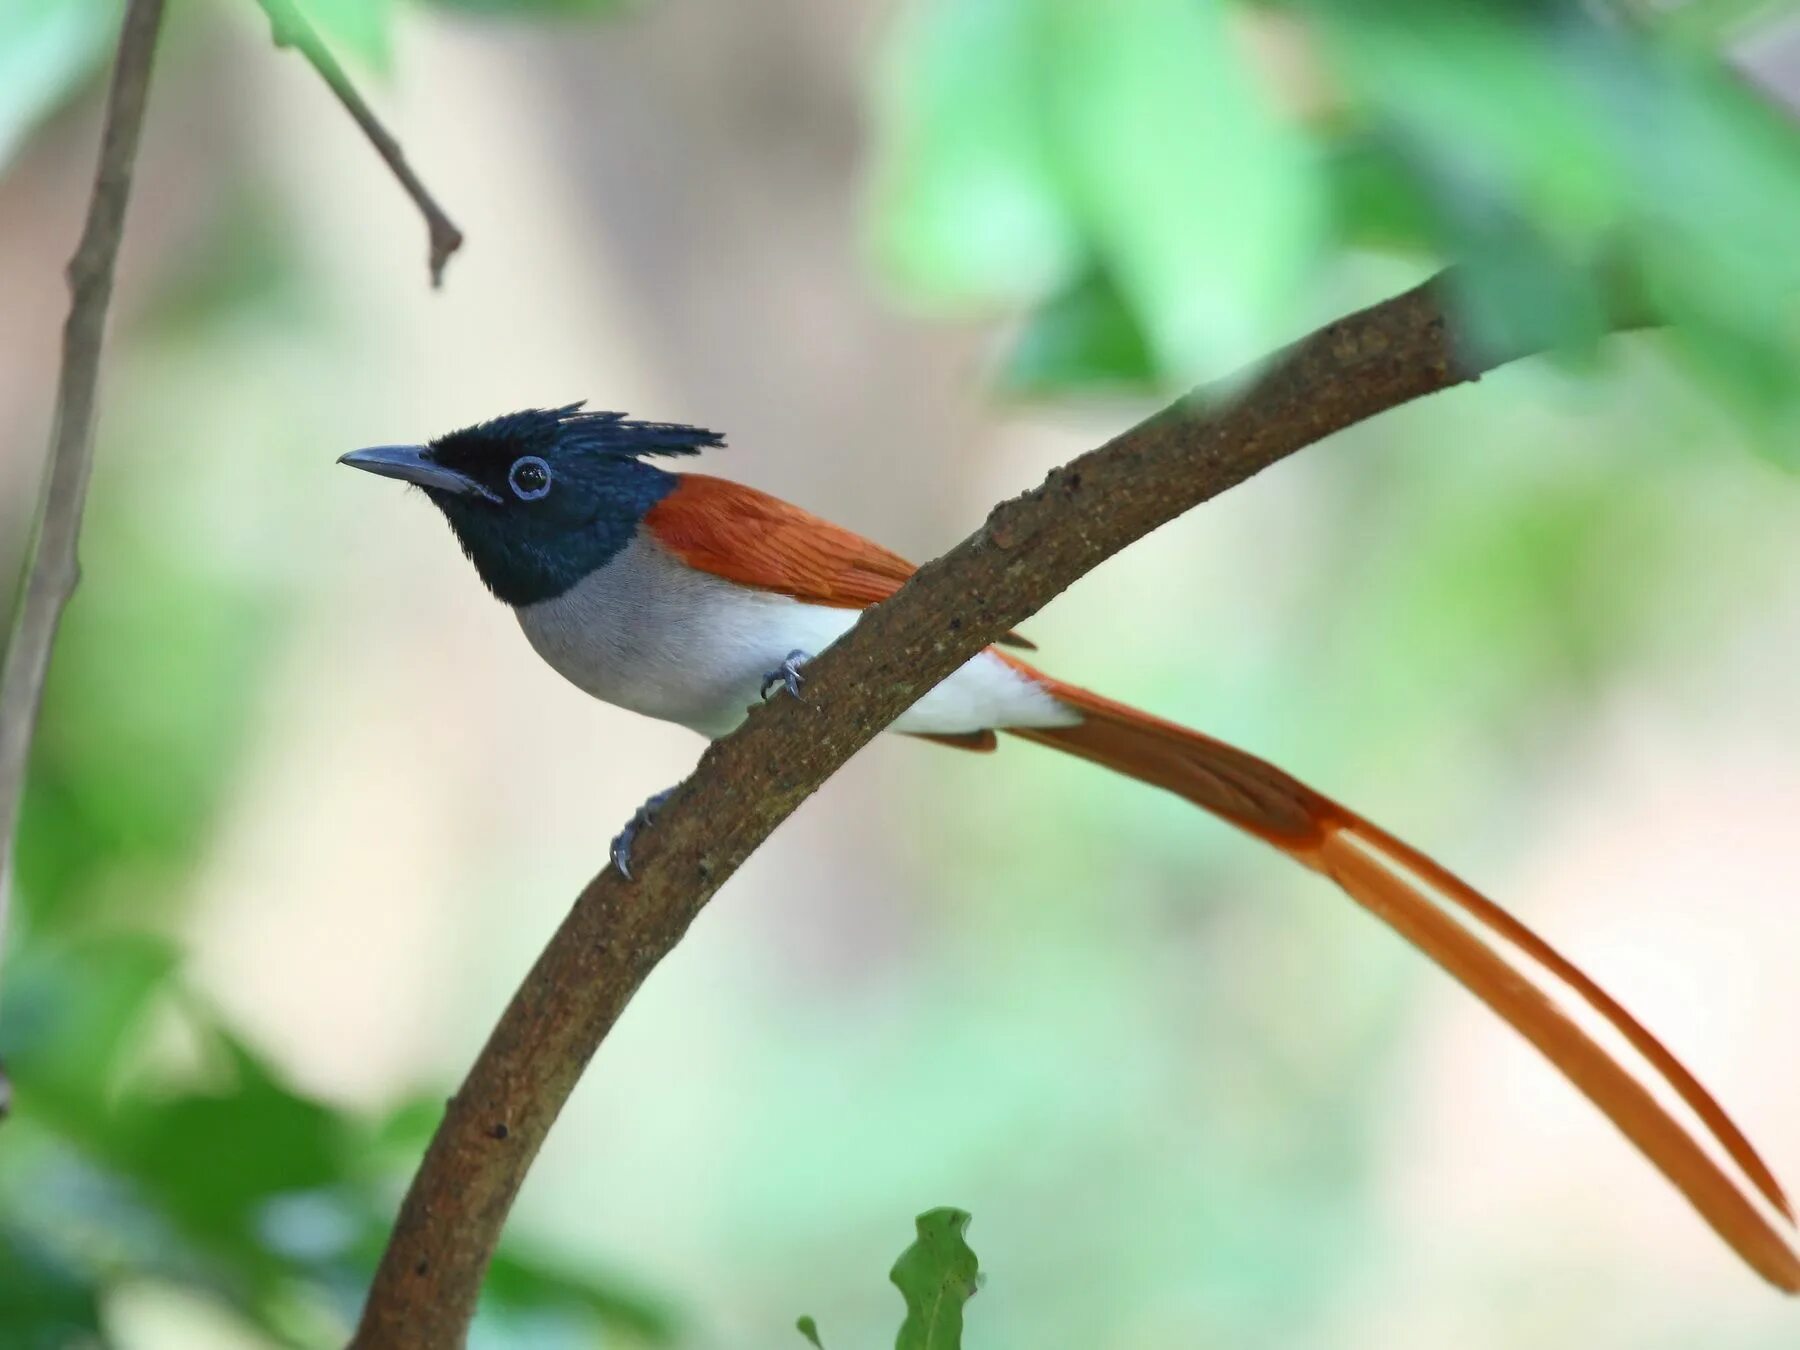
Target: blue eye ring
(529,478)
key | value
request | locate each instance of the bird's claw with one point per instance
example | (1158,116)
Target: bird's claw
(621,844)
(787,675)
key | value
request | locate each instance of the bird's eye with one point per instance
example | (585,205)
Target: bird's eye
(529,477)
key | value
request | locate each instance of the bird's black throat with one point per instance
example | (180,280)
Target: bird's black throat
(525,557)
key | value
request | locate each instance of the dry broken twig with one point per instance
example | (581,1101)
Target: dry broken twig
(291,28)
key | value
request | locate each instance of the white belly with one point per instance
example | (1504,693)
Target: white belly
(649,633)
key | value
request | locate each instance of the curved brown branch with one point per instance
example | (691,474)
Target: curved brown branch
(51,568)
(1030,549)
(290,28)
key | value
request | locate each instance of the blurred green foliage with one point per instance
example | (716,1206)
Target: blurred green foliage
(148,1143)
(1189,170)
(1159,191)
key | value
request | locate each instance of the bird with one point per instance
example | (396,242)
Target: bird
(690,598)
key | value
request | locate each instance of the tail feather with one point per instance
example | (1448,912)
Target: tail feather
(1605,1052)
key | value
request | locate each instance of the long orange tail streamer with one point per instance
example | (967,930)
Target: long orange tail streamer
(1597,1045)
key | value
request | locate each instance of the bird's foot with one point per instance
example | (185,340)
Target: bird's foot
(621,844)
(787,675)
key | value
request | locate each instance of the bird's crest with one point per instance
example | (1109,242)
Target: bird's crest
(608,434)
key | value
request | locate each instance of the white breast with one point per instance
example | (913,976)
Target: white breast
(649,633)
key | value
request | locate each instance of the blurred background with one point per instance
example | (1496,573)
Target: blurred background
(304,805)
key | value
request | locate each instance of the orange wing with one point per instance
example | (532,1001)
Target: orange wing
(762,542)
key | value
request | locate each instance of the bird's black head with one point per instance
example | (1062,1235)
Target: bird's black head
(539,499)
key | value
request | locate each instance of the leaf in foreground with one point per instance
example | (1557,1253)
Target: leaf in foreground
(936,1275)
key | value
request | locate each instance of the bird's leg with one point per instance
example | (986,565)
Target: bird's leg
(787,675)
(621,844)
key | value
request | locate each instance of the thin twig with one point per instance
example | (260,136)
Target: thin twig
(51,568)
(290,28)
(1030,549)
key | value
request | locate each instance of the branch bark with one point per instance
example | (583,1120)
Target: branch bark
(51,568)
(1030,549)
(290,28)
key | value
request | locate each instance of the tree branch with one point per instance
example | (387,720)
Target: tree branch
(1031,548)
(51,567)
(290,28)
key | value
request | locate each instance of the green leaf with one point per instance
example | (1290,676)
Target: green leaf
(44,1303)
(524,1282)
(360,28)
(936,1275)
(810,1329)
(47,49)
(191,1151)
(1203,204)
(71,1013)
(531,9)
(1377,199)
(969,206)
(1491,117)
(1086,338)
(1022,142)
(1497,95)
(1719,190)
(242,1187)
(1521,294)
(402,1135)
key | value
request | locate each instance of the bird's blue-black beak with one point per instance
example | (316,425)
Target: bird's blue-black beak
(410,464)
